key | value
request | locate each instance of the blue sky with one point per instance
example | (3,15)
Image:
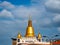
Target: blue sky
(14,17)
(19,2)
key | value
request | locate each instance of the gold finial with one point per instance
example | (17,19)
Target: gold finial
(29,17)
(39,36)
(19,35)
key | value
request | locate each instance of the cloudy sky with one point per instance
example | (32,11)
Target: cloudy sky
(14,17)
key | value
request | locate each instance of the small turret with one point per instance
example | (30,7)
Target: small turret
(19,35)
(39,37)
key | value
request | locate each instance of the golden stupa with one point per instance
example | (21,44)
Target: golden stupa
(30,29)
(19,35)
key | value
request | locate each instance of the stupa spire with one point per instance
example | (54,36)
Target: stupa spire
(29,22)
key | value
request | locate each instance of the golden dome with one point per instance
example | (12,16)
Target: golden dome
(39,36)
(30,29)
(19,35)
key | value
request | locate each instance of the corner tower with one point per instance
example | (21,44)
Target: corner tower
(19,35)
(30,29)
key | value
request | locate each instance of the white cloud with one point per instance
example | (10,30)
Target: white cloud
(24,12)
(55,4)
(56,18)
(7,5)
(6,14)
(19,12)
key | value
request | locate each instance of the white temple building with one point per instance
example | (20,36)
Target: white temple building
(29,38)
